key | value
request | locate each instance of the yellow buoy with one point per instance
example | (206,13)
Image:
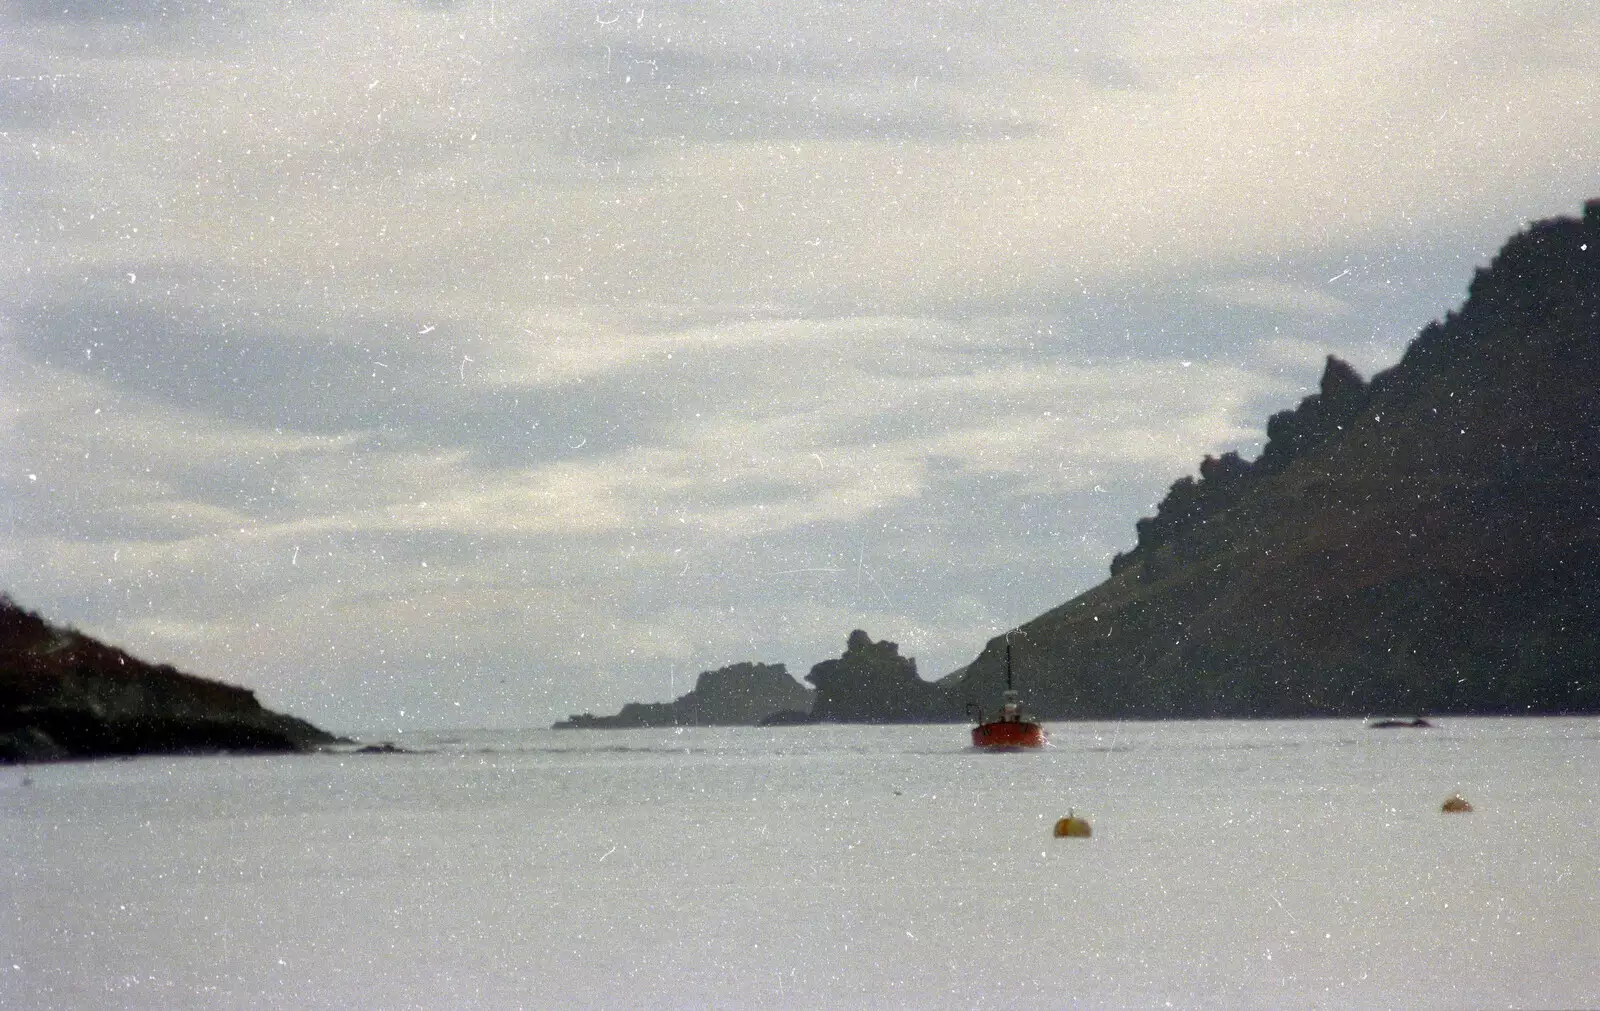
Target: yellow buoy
(1456,804)
(1073,827)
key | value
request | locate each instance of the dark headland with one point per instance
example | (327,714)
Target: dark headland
(1427,541)
(870,683)
(64,695)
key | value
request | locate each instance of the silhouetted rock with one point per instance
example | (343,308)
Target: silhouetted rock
(1419,722)
(1428,541)
(64,695)
(743,694)
(873,683)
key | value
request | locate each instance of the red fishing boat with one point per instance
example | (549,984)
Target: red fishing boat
(1012,730)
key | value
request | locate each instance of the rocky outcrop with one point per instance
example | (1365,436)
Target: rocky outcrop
(743,694)
(873,683)
(1190,506)
(1428,541)
(64,695)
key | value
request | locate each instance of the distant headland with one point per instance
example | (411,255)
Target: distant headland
(870,683)
(1428,541)
(743,694)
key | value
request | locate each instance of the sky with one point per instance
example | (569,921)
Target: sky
(475,364)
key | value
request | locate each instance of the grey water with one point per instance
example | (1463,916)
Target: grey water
(1239,864)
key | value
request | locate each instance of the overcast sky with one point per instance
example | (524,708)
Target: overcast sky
(481,363)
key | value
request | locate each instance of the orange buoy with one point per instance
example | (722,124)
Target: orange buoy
(1073,827)
(1456,804)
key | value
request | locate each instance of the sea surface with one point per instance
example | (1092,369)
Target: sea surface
(1232,864)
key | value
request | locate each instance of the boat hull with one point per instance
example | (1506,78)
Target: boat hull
(1008,735)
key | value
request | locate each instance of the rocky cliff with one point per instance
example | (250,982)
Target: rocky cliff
(1428,541)
(873,683)
(743,694)
(64,695)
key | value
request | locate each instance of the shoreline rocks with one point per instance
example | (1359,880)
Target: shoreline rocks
(65,696)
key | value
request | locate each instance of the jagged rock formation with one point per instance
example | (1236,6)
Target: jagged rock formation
(1425,542)
(64,695)
(743,694)
(1226,481)
(873,683)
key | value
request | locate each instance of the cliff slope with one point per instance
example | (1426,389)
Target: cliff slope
(1428,541)
(64,695)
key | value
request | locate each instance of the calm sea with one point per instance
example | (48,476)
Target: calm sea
(1238,864)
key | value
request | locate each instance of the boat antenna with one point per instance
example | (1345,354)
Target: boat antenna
(1009,686)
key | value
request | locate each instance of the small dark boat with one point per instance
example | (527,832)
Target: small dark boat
(1012,730)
